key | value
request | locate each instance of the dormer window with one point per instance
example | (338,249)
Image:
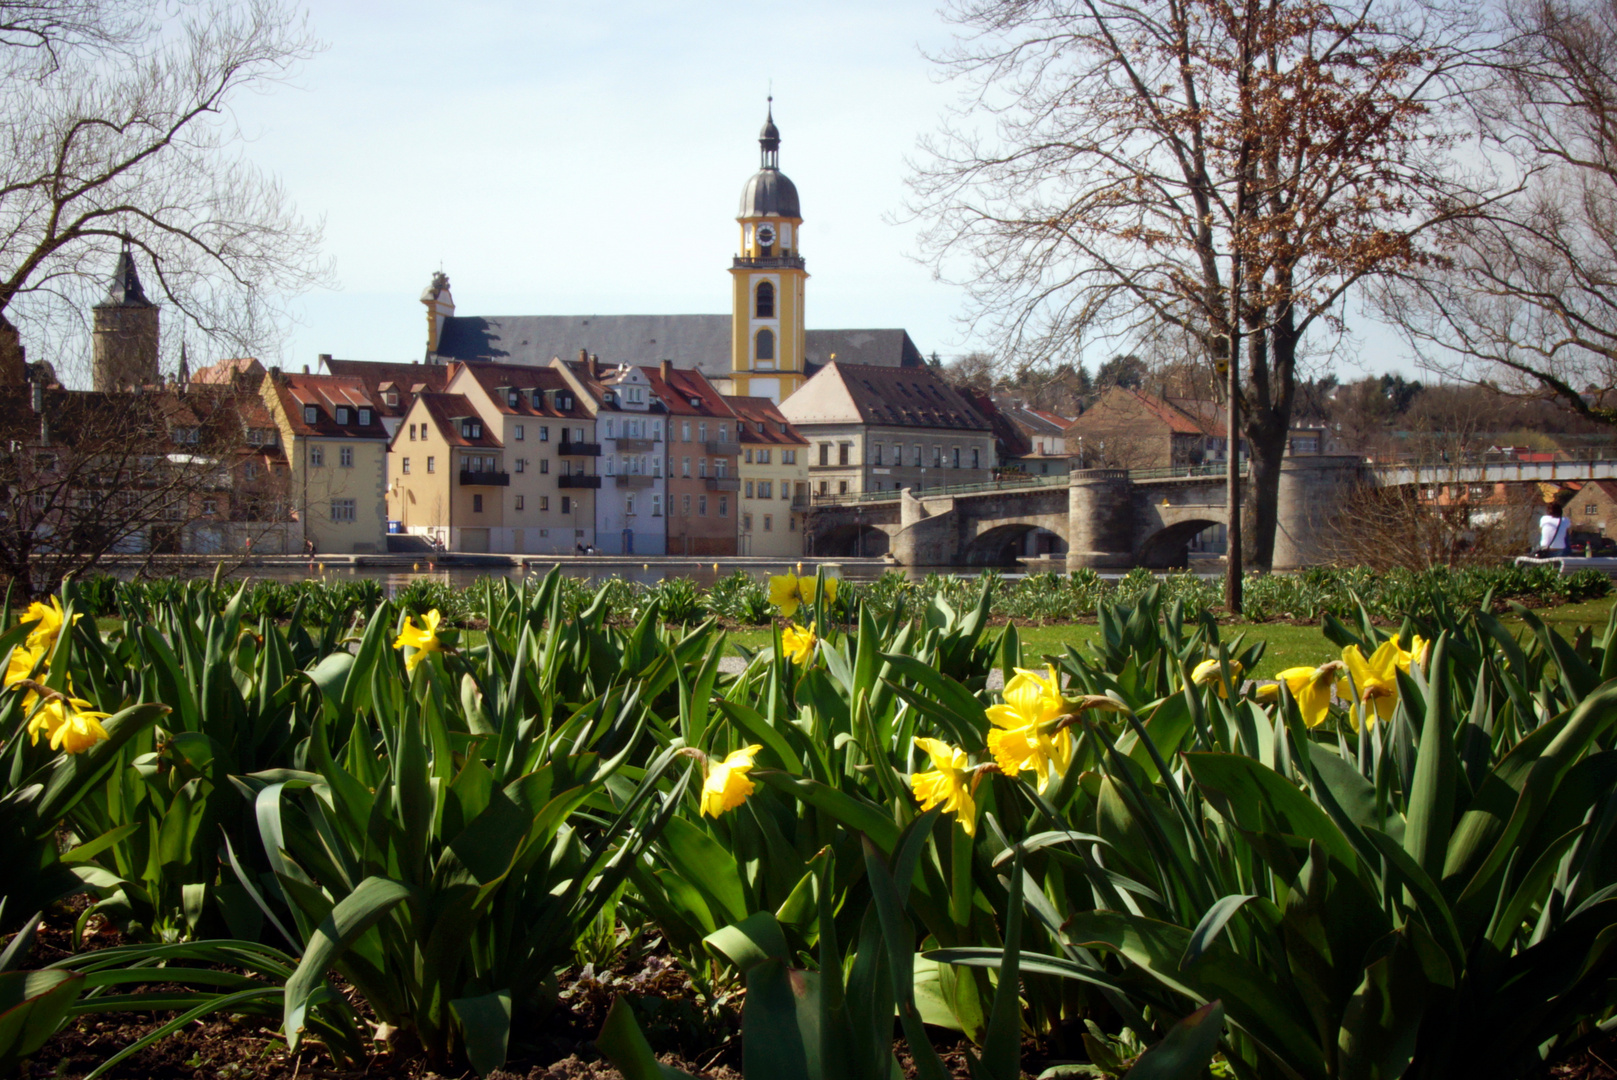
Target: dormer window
(342,415)
(392,399)
(311,415)
(512,397)
(364,418)
(564,402)
(471,429)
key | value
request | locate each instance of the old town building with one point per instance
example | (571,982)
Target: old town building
(773,468)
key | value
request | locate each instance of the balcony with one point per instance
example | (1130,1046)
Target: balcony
(577,481)
(800,502)
(635,481)
(636,446)
(579,449)
(468,478)
(724,483)
(715,448)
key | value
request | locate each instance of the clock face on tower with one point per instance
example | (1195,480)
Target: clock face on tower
(766,235)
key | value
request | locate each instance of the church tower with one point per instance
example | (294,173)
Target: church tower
(767,313)
(124,349)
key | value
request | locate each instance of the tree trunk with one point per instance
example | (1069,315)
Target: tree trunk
(1266,444)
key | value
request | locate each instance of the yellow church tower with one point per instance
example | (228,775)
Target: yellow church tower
(767,313)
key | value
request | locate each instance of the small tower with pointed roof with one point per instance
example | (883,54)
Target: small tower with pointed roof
(126,334)
(440,308)
(767,335)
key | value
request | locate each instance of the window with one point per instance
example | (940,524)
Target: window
(432,463)
(724,432)
(875,454)
(701,506)
(765,307)
(657,465)
(749,455)
(937,457)
(701,466)
(956,457)
(342,415)
(544,433)
(611,465)
(763,457)
(628,506)
(769,522)
(842,487)
(976,459)
(825,487)
(1591,509)
(364,418)
(685,505)
(684,466)
(342,509)
(685,430)
(766,489)
(844,450)
(311,415)
(404,466)
(566,504)
(544,466)
(412,433)
(392,399)
(721,467)
(749,489)
(898,454)
(251,471)
(788,457)
(825,453)
(746,523)
(471,429)
(477,504)
(345,457)
(511,398)
(522,464)
(766,345)
(785,490)
(701,430)
(656,506)
(724,506)
(791,523)
(544,502)
(917,454)
(519,503)
(519,433)
(317,456)
(564,403)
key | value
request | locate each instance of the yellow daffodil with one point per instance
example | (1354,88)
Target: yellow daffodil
(1209,673)
(21,664)
(1312,689)
(42,638)
(1374,682)
(727,784)
(1017,740)
(1419,649)
(948,784)
(785,594)
(810,588)
(423,640)
(798,643)
(70,724)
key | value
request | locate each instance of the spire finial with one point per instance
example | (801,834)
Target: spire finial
(769,138)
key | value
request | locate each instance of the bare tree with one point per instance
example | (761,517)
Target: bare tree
(1146,155)
(1438,524)
(126,133)
(1529,294)
(86,475)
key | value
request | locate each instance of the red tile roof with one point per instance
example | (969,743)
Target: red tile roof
(498,379)
(762,422)
(404,378)
(326,393)
(687,393)
(447,411)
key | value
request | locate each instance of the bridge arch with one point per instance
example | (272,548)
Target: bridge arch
(1169,547)
(850,541)
(1004,544)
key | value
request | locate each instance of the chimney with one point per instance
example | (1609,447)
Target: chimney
(305,369)
(666,369)
(595,366)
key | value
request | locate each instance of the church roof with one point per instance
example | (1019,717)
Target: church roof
(890,397)
(698,341)
(768,191)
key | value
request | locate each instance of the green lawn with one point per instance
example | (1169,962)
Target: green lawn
(1289,646)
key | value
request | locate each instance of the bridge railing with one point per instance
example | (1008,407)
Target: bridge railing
(1032,483)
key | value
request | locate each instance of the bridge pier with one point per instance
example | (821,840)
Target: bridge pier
(1100,519)
(1312,489)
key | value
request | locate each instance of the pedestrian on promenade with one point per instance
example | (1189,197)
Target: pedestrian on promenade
(1554,533)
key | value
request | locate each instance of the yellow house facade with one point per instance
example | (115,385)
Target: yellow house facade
(336,450)
(774,472)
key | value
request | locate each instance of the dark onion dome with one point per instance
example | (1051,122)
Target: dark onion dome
(769,192)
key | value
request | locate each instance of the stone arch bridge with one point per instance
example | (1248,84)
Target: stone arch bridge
(1115,518)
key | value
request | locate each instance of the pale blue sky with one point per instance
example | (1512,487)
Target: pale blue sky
(572,159)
